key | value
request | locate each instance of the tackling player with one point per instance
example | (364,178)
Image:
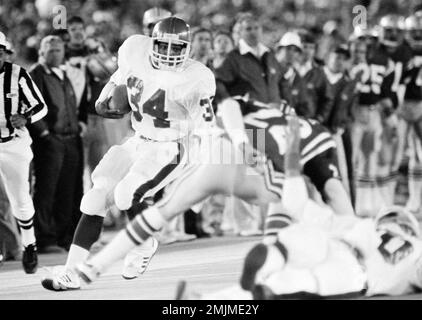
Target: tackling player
(325,255)
(170,97)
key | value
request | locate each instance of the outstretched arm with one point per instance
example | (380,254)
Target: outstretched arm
(295,194)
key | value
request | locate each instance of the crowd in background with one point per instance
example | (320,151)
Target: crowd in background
(71,66)
(26,22)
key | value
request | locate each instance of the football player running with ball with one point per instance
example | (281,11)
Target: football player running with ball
(170,97)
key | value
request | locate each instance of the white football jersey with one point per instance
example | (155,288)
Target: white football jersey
(173,103)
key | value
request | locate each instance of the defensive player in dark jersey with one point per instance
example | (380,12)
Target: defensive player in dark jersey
(262,184)
(392,42)
(411,110)
(374,111)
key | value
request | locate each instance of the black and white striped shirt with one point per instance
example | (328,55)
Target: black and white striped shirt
(18,95)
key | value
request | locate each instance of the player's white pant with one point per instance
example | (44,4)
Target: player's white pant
(135,170)
(412,112)
(415,169)
(15,158)
(366,137)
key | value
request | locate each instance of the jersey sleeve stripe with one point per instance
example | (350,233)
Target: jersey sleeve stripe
(321,137)
(273,184)
(322,148)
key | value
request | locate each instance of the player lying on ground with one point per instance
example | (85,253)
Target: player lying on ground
(170,97)
(226,178)
(328,256)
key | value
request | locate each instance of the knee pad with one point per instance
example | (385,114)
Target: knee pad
(122,197)
(94,202)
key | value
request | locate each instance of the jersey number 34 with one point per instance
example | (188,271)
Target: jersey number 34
(155,105)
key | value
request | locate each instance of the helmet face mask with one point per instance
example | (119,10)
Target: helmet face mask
(391,37)
(391,30)
(169,55)
(415,38)
(170,44)
(396,219)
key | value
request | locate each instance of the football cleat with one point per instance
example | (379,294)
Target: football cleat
(61,279)
(262,261)
(254,261)
(138,259)
(30,259)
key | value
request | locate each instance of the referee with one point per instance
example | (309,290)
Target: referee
(20,104)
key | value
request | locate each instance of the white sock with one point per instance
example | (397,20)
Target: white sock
(28,236)
(114,251)
(26,227)
(76,255)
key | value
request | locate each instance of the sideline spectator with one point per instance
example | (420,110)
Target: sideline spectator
(201,47)
(292,86)
(318,89)
(57,150)
(249,73)
(341,117)
(251,69)
(223,44)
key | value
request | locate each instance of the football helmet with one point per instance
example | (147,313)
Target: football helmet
(391,29)
(171,42)
(397,216)
(364,33)
(413,27)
